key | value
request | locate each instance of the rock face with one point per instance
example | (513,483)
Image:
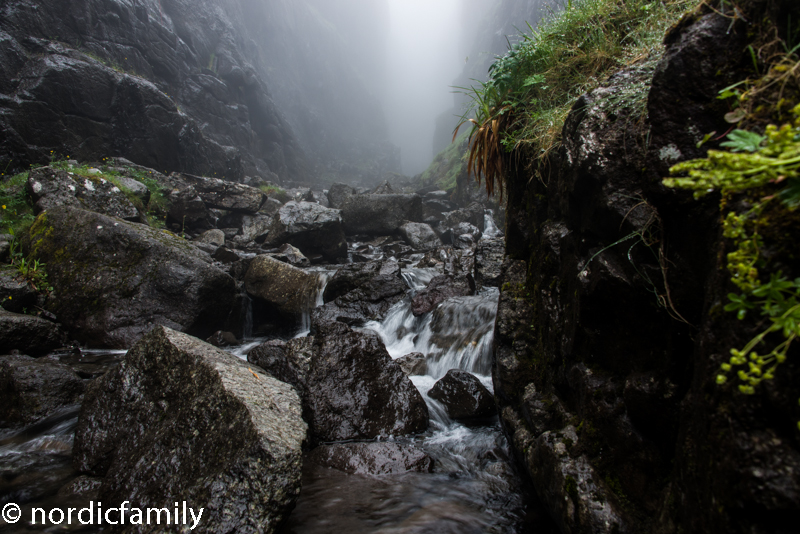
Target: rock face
(609,397)
(30,335)
(312,228)
(441,288)
(488,261)
(238,431)
(166,86)
(49,187)
(115,280)
(380,214)
(350,386)
(372,458)
(463,395)
(286,288)
(35,388)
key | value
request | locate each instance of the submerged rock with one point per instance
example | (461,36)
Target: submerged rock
(375,458)
(31,389)
(181,420)
(28,334)
(115,280)
(463,395)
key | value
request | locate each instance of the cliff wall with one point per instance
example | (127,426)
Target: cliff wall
(611,329)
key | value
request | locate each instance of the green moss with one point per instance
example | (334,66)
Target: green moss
(571,488)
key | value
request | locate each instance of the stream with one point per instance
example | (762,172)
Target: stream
(474,487)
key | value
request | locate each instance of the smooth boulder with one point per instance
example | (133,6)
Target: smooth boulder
(180,420)
(114,280)
(413,364)
(463,395)
(285,288)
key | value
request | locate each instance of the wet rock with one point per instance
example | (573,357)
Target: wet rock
(372,458)
(489,256)
(463,235)
(291,255)
(49,187)
(82,487)
(362,292)
(463,395)
(225,255)
(215,238)
(16,295)
(312,228)
(31,389)
(288,361)
(450,260)
(420,236)
(473,214)
(115,280)
(380,214)
(439,289)
(270,207)
(222,339)
(413,364)
(188,212)
(287,289)
(239,434)
(226,195)
(338,193)
(28,334)
(356,390)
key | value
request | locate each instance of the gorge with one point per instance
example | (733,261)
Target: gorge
(219,291)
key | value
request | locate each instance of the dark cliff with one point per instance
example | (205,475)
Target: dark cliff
(611,330)
(180,86)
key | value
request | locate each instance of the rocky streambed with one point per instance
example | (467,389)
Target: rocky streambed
(327,352)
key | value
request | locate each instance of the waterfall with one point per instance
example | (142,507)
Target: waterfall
(247,308)
(490,229)
(314,298)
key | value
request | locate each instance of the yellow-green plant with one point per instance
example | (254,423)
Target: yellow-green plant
(752,163)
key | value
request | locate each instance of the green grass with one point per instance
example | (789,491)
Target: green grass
(447,166)
(16,212)
(532,88)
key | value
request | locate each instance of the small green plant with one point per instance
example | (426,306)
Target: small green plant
(16,212)
(31,270)
(754,163)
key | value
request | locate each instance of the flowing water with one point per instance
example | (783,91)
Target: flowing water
(474,487)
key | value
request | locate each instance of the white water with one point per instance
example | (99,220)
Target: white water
(490,229)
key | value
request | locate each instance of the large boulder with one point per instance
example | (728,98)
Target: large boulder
(16,294)
(338,193)
(361,292)
(115,280)
(226,195)
(350,386)
(180,420)
(285,288)
(463,395)
(420,236)
(28,334)
(380,214)
(188,212)
(375,458)
(312,228)
(49,187)
(31,389)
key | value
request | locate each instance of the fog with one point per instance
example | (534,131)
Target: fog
(425,54)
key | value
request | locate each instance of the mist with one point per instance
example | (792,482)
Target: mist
(425,54)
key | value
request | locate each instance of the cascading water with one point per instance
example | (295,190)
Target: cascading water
(313,299)
(474,488)
(490,229)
